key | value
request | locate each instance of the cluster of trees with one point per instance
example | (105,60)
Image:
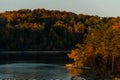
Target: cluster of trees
(101,47)
(41,29)
(97,38)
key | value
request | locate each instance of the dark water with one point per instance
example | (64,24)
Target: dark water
(34,66)
(33,71)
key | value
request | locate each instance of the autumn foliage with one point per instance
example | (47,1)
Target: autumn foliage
(100,49)
(94,41)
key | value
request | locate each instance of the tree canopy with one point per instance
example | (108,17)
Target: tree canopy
(41,29)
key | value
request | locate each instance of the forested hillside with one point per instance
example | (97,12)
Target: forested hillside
(41,29)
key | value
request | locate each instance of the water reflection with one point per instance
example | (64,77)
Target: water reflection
(33,71)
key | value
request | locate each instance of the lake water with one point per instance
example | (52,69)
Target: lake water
(33,71)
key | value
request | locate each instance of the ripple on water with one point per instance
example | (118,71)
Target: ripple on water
(33,71)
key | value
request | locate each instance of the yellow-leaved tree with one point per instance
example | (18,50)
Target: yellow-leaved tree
(100,50)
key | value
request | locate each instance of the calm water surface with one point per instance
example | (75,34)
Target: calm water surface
(34,71)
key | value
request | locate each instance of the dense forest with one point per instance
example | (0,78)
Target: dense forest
(92,40)
(41,29)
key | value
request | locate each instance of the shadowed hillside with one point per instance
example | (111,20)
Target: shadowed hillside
(41,29)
